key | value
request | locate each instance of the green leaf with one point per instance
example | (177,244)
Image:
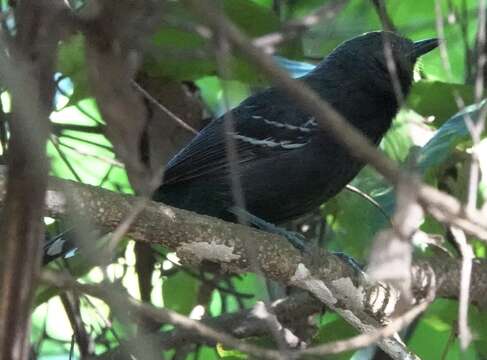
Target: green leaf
(72,63)
(416,19)
(266,3)
(482,152)
(356,18)
(478,322)
(439,149)
(230,354)
(298,9)
(397,142)
(448,136)
(91,163)
(250,284)
(180,292)
(253,18)
(212,87)
(206,353)
(355,217)
(436,98)
(356,221)
(433,334)
(442,314)
(185,55)
(245,284)
(334,328)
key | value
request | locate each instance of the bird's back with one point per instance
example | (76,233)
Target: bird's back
(285,163)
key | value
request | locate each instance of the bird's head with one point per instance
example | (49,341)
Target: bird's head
(383,57)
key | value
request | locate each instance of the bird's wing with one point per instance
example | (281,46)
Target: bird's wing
(263,126)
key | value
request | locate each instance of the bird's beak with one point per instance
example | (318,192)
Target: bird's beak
(424,46)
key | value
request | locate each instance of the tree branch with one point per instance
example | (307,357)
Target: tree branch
(28,73)
(197,238)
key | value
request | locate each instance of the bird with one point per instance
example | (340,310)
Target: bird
(285,163)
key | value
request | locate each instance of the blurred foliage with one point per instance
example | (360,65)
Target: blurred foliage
(429,135)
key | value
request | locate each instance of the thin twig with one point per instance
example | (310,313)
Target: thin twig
(124,226)
(71,306)
(113,162)
(476,129)
(370,199)
(445,60)
(294,28)
(63,157)
(465,280)
(393,346)
(364,340)
(385,19)
(112,296)
(164,109)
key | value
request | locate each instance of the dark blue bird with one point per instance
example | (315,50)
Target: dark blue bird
(286,164)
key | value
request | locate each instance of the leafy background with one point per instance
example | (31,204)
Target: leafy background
(430,128)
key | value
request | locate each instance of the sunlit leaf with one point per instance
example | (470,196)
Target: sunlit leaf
(230,354)
(449,135)
(179,292)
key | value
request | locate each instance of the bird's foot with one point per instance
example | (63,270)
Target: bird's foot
(296,239)
(350,261)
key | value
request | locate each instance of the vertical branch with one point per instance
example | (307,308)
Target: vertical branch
(385,19)
(480,51)
(443,48)
(466,250)
(71,303)
(463,22)
(477,129)
(113,56)
(28,73)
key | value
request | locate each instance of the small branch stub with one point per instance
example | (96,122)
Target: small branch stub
(197,252)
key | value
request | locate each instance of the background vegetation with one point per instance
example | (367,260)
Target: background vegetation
(177,66)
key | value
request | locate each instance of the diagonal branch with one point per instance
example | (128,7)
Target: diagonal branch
(198,239)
